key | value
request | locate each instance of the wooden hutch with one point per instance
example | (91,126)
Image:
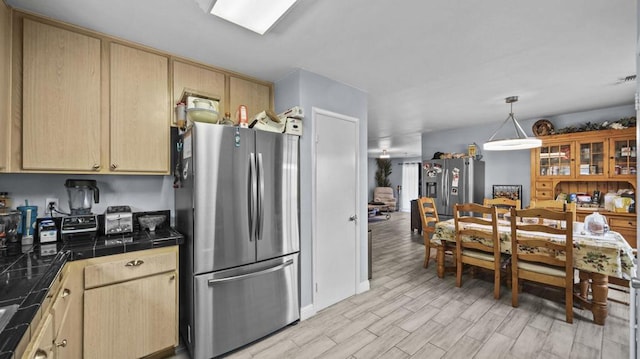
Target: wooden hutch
(584,162)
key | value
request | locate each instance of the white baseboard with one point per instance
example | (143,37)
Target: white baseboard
(307,312)
(363,287)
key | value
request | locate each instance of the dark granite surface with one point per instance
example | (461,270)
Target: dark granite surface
(28,271)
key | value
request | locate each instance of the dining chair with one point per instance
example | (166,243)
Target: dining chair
(557,205)
(503,205)
(429,218)
(484,248)
(538,257)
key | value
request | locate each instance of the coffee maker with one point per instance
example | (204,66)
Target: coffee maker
(82,194)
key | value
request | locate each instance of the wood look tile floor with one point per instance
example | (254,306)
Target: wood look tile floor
(411,313)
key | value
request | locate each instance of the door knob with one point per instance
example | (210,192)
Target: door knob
(353,218)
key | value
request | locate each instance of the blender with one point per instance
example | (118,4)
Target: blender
(82,194)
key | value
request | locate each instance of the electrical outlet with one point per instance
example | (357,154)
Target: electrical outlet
(47,209)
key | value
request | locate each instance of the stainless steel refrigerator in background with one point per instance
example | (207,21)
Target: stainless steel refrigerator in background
(451,181)
(236,202)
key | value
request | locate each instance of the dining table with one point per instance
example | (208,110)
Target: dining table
(596,257)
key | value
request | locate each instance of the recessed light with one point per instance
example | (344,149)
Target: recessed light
(255,15)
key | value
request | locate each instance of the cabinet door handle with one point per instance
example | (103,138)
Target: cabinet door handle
(114,166)
(63,343)
(134,263)
(173,276)
(96,167)
(40,354)
(65,292)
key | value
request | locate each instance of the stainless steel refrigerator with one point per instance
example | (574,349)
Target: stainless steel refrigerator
(236,202)
(451,181)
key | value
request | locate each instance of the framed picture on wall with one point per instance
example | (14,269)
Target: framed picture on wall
(511,191)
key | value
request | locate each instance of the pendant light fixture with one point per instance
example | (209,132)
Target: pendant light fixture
(384,154)
(519,142)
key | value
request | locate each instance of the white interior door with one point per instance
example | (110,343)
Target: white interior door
(335,230)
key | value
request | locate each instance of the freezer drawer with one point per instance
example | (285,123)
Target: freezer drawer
(240,305)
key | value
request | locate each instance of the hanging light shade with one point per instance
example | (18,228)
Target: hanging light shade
(519,142)
(384,154)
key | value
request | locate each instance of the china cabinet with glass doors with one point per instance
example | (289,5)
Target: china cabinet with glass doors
(587,162)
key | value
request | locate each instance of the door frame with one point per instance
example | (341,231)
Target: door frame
(314,195)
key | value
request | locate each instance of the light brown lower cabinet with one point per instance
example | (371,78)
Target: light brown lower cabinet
(59,334)
(67,314)
(41,345)
(130,319)
(130,304)
(120,306)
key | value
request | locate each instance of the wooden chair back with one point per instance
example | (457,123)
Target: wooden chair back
(555,205)
(429,218)
(503,205)
(484,250)
(535,258)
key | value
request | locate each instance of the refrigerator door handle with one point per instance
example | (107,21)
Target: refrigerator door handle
(442,189)
(253,197)
(465,173)
(445,189)
(260,219)
(249,275)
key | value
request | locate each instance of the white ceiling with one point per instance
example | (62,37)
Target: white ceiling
(426,65)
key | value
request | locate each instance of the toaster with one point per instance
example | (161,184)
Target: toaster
(118,220)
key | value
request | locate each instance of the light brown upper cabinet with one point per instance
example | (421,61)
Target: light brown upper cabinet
(5,82)
(60,99)
(257,97)
(198,78)
(86,102)
(140,108)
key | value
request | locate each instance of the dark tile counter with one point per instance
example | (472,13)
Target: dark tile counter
(27,272)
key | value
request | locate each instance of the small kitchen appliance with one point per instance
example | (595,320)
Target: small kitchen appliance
(78,227)
(27,222)
(118,220)
(9,221)
(48,231)
(82,194)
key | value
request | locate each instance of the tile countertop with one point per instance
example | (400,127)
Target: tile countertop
(27,272)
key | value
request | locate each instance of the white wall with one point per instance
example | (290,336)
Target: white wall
(142,193)
(309,90)
(511,167)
